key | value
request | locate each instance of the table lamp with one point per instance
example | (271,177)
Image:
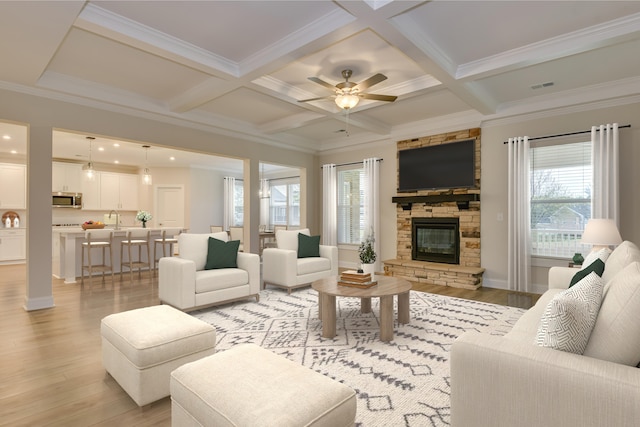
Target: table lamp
(601,233)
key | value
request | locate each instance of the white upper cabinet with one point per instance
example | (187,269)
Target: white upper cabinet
(118,191)
(90,192)
(66,177)
(13,191)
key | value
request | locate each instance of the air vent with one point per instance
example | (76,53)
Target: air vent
(541,85)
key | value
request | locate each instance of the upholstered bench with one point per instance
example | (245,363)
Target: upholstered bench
(141,347)
(250,386)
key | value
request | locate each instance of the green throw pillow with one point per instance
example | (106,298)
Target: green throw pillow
(308,246)
(222,254)
(596,266)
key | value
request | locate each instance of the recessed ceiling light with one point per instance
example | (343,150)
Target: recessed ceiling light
(172,158)
(7,137)
(116,161)
(100,148)
(14,152)
(116,145)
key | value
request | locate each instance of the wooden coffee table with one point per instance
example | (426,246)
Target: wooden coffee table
(328,289)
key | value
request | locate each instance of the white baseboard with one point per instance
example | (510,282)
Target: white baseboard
(31,304)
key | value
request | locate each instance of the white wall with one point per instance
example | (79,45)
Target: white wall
(206,206)
(494,183)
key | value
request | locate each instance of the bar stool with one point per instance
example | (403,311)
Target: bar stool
(237,233)
(97,239)
(167,238)
(136,237)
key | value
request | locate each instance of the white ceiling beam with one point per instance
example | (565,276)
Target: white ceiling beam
(595,37)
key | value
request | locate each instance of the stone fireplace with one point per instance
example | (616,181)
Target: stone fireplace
(435,240)
(447,251)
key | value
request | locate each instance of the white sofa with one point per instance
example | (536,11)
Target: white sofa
(510,381)
(185,284)
(281,266)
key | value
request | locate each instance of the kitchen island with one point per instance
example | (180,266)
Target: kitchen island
(67,250)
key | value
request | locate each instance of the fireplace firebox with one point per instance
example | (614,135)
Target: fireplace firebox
(435,240)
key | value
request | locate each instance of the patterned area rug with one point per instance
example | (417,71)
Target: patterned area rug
(401,383)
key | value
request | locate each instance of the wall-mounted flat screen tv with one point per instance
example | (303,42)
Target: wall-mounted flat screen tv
(449,165)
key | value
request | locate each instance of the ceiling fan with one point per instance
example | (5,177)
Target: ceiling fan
(348,94)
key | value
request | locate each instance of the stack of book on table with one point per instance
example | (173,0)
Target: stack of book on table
(356,280)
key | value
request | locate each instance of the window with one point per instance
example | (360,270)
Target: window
(350,206)
(238,203)
(284,204)
(560,197)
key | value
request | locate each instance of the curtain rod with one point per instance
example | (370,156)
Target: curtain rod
(280,179)
(352,163)
(567,134)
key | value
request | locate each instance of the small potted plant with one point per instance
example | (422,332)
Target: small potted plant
(367,254)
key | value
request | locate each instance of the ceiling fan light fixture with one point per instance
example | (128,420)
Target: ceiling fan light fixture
(346,101)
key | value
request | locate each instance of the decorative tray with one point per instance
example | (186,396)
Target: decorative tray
(92,226)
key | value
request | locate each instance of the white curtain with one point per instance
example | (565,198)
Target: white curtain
(371,203)
(605,199)
(265,202)
(229,203)
(519,216)
(329,205)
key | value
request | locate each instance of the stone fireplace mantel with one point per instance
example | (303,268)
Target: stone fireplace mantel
(462,200)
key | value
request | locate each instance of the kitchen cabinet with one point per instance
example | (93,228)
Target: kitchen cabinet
(13,191)
(66,177)
(118,191)
(13,244)
(90,192)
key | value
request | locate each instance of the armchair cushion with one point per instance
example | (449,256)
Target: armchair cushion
(220,278)
(222,254)
(194,246)
(616,335)
(288,239)
(623,255)
(308,246)
(312,265)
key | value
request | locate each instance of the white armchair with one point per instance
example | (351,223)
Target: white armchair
(282,267)
(185,284)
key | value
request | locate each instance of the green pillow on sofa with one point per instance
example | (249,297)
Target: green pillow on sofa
(596,266)
(222,254)
(308,246)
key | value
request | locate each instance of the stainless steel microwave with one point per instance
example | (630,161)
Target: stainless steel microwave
(66,200)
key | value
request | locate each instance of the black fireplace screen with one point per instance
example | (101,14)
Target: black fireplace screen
(435,240)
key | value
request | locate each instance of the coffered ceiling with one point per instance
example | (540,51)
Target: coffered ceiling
(242,66)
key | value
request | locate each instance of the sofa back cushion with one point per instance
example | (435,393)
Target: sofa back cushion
(621,257)
(288,239)
(616,334)
(195,246)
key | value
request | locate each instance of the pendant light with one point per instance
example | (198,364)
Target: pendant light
(264,191)
(146,175)
(88,169)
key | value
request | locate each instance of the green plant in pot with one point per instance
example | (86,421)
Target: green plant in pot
(367,254)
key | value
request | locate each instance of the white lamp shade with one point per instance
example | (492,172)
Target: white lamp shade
(601,232)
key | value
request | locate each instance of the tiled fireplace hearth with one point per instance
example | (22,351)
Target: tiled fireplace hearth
(435,260)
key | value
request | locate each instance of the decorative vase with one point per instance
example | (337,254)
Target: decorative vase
(144,224)
(578,259)
(368,268)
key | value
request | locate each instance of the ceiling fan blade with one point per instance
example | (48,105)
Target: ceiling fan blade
(315,99)
(373,80)
(387,98)
(322,83)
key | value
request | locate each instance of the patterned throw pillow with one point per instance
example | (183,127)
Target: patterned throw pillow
(570,316)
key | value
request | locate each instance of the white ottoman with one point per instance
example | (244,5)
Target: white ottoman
(249,386)
(141,347)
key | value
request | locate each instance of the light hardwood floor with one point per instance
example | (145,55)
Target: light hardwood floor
(50,360)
